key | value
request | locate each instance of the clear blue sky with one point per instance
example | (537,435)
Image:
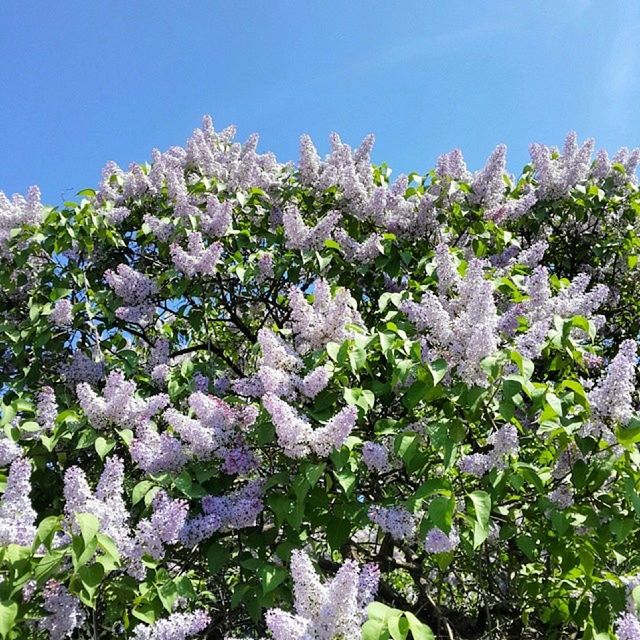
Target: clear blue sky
(84,82)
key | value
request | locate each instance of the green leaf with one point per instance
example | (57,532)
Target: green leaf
(140,490)
(8,615)
(398,626)
(419,630)
(482,504)
(271,576)
(103,446)
(89,526)
(375,630)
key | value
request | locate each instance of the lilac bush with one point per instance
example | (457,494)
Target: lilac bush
(243,398)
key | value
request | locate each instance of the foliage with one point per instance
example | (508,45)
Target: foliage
(216,360)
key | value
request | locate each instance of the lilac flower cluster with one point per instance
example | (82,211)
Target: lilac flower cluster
(217,218)
(299,236)
(397,521)
(9,450)
(163,527)
(376,457)
(363,252)
(47,408)
(156,452)
(197,258)
(177,626)
(325,320)
(627,626)
(335,609)
(461,329)
(136,290)
(437,541)
(61,315)
(66,613)
(162,229)
(621,168)
(557,173)
(611,399)
(81,368)
(119,404)
(17,516)
(297,437)
(107,504)
(237,510)
(17,212)
(504,443)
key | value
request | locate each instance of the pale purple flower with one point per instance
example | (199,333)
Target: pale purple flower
(325,611)
(325,320)
(216,220)
(300,236)
(437,541)
(612,397)
(65,611)
(17,516)
(17,212)
(397,521)
(132,286)
(197,258)
(9,450)
(375,456)
(177,626)
(47,408)
(61,315)
(627,626)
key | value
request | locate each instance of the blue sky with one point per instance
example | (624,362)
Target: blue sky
(87,82)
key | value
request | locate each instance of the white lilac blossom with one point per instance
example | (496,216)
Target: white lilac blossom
(324,611)
(297,437)
(196,259)
(17,516)
(437,541)
(61,315)
(17,212)
(47,408)
(324,320)
(119,404)
(177,626)
(65,613)
(397,521)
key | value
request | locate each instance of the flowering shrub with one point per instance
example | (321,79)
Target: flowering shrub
(246,399)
